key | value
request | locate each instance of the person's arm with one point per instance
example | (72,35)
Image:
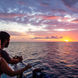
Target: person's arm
(14,61)
(7,70)
(10,60)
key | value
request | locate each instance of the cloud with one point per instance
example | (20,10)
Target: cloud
(14,33)
(12,26)
(35,6)
(64,29)
(11,15)
(75,21)
(48,37)
(36,20)
(50,17)
(71,4)
(22,2)
(19,27)
(44,4)
(39,23)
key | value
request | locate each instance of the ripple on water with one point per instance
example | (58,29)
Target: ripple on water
(59,60)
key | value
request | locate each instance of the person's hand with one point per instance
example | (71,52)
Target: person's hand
(20,58)
(28,66)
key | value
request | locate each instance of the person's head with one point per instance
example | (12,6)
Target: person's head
(4,37)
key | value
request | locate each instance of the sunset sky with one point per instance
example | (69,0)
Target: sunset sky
(40,20)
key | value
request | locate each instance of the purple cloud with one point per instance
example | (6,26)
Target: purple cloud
(71,4)
(48,37)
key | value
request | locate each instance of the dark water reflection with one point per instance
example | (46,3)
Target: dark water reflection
(60,60)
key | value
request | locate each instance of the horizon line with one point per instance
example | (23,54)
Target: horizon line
(43,41)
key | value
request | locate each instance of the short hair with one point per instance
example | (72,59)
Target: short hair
(4,36)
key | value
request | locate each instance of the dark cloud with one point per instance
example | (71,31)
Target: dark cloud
(56,37)
(38,33)
(52,25)
(11,15)
(48,37)
(70,2)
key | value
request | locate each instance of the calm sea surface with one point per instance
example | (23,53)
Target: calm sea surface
(59,59)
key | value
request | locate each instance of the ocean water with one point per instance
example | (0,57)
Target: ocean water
(59,59)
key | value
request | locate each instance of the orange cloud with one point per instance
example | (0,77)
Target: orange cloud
(50,17)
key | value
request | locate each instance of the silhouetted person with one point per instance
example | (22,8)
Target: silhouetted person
(5,39)
(5,58)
